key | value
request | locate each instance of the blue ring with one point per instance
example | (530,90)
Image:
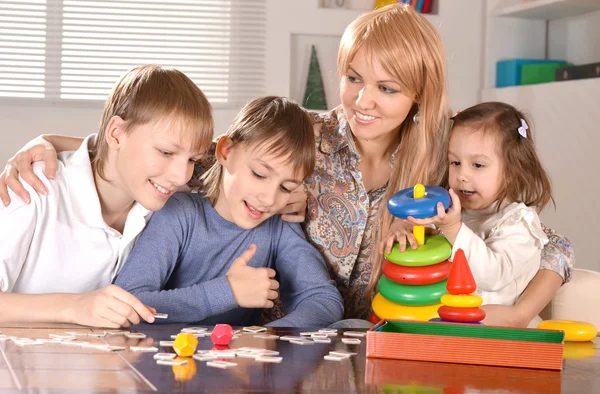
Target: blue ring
(402,204)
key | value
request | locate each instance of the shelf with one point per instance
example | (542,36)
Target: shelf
(572,88)
(549,9)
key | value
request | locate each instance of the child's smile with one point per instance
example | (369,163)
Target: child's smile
(475,167)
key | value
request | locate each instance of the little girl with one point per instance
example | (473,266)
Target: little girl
(499,185)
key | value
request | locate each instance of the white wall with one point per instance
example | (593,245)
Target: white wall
(21,122)
(292,26)
(565,116)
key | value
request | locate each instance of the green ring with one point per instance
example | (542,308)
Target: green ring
(435,250)
(411,295)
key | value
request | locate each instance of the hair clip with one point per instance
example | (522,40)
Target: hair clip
(523,129)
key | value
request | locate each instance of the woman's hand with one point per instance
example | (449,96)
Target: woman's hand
(400,231)
(21,164)
(295,210)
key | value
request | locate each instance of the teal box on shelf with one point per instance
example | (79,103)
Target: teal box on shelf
(508,72)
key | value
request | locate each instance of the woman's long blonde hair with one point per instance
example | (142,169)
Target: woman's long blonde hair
(411,51)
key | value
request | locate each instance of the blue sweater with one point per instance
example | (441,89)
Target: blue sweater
(179,263)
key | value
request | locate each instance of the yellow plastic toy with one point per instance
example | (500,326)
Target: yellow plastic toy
(575,331)
(419,231)
(185,371)
(461,301)
(185,344)
(383,3)
(388,310)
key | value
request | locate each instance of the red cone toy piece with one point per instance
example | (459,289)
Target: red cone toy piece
(460,279)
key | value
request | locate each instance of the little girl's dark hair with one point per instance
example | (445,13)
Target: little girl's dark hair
(525,179)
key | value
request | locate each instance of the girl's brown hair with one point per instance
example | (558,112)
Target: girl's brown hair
(524,177)
(279,126)
(151,93)
(411,51)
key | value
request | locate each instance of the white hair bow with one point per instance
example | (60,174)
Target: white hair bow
(523,128)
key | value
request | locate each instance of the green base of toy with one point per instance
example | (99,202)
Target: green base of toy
(411,295)
(435,250)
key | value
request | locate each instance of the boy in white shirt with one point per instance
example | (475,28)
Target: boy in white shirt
(60,251)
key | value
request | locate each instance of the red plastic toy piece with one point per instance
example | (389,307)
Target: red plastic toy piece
(460,279)
(222,334)
(461,315)
(416,276)
(374,318)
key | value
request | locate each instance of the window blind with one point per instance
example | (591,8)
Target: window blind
(76,50)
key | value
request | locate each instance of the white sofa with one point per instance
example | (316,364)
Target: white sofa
(577,300)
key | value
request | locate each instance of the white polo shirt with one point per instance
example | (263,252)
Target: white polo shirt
(60,242)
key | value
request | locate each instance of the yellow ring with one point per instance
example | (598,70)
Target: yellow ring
(461,301)
(575,331)
(579,350)
(388,310)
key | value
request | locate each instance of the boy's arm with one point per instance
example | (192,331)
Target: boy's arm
(107,307)
(156,255)
(501,258)
(42,148)
(309,296)
(17,226)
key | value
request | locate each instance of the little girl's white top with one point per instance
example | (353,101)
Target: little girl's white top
(503,249)
(60,242)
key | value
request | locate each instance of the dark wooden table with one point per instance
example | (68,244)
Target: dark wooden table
(56,368)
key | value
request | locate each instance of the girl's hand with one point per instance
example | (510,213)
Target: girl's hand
(295,210)
(448,222)
(21,164)
(503,315)
(400,231)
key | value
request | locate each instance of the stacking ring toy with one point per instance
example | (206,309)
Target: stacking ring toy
(416,276)
(403,204)
(411,295)
(388,310)
(575,331)
(461,301)
(436,249)
(461,314)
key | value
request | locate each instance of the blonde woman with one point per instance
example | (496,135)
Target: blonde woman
(390,132)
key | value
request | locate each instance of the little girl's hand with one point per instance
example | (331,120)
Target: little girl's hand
(445,221)
(400,231)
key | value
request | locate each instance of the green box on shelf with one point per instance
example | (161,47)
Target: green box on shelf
(539,73)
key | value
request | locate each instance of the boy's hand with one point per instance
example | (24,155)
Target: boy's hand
(400,231)
(110,306)
(448,222)
(36,150)
(295,210)
(252,287)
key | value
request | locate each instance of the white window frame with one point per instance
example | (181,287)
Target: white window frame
(245,50)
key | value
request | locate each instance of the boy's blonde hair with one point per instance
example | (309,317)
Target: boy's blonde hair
(282,126)
(523,175)
(411,51)
(151,93)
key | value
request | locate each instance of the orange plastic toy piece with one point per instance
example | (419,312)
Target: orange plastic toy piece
(185,344)
(460,279)
(461,315)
